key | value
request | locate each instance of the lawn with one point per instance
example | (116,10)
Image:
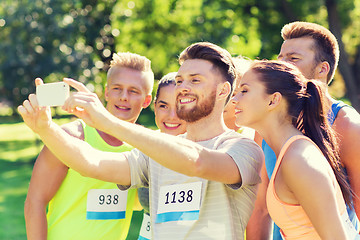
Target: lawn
(19,147)
(14,179)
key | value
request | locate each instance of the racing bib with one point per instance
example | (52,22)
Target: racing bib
(145,230)
(106,204)
(179,202)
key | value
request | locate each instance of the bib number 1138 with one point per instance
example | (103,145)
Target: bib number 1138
(179,197)
(179,202)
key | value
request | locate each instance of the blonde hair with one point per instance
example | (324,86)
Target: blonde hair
(242,64)
(136,62)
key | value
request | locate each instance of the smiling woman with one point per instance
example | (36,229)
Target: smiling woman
(289,112)
(165,107)
(167,121)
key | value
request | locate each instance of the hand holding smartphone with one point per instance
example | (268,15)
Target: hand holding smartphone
(52,94)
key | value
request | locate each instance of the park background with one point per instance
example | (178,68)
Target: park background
(53,39)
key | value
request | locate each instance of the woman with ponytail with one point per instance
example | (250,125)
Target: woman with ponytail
(307,191)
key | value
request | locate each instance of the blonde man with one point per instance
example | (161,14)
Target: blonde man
(81,207)
(202,184)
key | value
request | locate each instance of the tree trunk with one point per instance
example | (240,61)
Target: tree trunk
(356,67)
(288,11)
(344,66)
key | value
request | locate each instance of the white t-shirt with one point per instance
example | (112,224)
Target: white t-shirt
(223,210)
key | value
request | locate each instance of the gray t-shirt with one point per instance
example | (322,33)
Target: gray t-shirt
(224,209)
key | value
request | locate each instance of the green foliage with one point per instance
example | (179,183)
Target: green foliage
(351,34)
(52,40)
(161,29)
(14,180)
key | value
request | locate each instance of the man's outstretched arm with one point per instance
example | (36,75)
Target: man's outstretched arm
(178,154)
(260,224)
(73,152)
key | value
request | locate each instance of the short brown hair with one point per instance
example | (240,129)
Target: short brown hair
(219,57)
(326,46)
(136,62)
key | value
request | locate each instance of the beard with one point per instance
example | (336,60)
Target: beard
(310,74)
(201,110)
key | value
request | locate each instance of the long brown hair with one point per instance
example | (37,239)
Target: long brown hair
(308,109)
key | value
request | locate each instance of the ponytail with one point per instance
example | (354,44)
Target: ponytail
(313,118)
(313,122)
(308,109)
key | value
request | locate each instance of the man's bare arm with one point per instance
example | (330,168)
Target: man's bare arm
(347,125)
(260,224)
(47,176)
(73,152)
(186,156)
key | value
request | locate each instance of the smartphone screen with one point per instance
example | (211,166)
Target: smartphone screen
(52,94)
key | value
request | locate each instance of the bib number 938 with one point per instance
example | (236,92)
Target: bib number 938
(108,199)
(105,204)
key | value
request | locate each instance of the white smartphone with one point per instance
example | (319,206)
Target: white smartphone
(52,94)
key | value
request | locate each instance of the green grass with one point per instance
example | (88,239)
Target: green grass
(18,143)
(19,147)
(14,179)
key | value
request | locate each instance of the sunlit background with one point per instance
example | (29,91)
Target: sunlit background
(53,39)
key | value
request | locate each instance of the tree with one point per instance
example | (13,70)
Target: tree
(53,39)
(349,73)
(161,29)
(340,16)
